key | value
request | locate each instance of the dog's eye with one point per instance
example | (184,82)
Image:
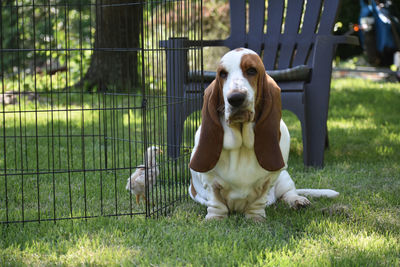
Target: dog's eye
(251,71)
(223,74)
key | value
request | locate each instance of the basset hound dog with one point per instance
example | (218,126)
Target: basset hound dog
(241,149)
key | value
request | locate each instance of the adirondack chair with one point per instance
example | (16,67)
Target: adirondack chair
(297,50)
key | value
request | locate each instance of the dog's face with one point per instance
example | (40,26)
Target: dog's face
(239,74)
(242,92)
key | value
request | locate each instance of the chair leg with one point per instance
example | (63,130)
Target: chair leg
(174,129)
(326,140)
(313,148)
(317,99)
(304,139)
(315,156)
(176,69)
(316,141)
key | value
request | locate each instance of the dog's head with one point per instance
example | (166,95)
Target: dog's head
(238,73)
(242,92)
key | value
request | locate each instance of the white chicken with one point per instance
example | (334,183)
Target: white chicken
(136,183)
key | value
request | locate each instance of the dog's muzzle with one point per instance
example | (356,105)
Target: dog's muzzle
(236,98)
(239,110)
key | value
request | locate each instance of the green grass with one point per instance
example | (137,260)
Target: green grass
(359,228)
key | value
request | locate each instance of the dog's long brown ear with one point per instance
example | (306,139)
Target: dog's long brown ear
(211,135)
(267,129)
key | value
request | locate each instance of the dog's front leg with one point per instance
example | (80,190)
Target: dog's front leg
(217,208)
(256,211)
(285,189)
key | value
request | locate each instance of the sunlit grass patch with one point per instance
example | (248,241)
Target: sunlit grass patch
(339,247)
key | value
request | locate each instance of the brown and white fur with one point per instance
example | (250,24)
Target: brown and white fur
(241,149)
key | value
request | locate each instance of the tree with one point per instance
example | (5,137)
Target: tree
(114,62)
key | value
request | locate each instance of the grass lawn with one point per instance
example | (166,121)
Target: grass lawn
(359,228)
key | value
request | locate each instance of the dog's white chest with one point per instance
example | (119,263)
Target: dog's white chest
(239,166)
(241,178)
(238,163)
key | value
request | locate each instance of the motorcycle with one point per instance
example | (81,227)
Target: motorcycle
(379,32)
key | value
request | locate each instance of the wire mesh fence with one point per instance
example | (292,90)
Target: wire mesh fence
(83,96)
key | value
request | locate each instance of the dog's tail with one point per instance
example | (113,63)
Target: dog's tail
(317,193)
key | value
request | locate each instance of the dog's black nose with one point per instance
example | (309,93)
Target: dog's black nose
(236,98)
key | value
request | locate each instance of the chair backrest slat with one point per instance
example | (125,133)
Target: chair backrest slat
(291,30)
(274,26)
(256,25)
(311,17)
(238,24)
(294,11)
(328,16)
(328,12)
(306,37)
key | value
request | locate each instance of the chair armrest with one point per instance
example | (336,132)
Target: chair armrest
(349,39)
(297,73)
(196,76)
(337,39)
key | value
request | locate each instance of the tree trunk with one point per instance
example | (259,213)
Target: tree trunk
(114,62)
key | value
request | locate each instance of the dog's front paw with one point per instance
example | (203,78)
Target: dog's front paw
(300,202)
(295,201)
(256,212)
(216,212)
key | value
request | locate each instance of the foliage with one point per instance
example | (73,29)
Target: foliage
(38,38)
(348,13)
(52,42)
